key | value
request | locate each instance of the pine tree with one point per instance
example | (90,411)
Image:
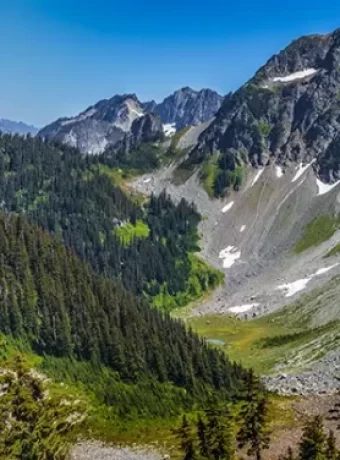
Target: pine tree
(331,450)
(253,418)
(26,416)
(186,440)
(313,442)
(202,438)
(220,434)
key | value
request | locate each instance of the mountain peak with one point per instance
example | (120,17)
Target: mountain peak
(17,127)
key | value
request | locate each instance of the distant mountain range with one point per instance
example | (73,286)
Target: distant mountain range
(17,127)
(124,120)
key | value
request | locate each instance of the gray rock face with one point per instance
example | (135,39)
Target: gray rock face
(111,122)
(187,107)
(145,129)
(14,127)
(288,112)
(106,123)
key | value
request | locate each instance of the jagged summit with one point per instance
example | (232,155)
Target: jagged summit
(288,112)
(107,122)
(17,127)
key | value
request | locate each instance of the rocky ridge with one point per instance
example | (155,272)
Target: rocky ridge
(123,121)
(288,112)
(15,127)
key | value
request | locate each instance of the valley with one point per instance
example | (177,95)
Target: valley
(171,271)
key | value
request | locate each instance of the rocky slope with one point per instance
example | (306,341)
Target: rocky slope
(187,107)
(15,127)
(123,121)
(288,112)
(117,121)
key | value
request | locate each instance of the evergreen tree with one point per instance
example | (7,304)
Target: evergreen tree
(186,440)
(32,425)
(219,432)
(313,441)
(331,450)
(253,418)
(203,444)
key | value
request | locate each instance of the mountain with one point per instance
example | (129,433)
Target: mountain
(123,122)
(14,127)
(288,112)
(265,174)
(187,107)
(115,121)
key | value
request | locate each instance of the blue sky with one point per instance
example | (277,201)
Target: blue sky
(58,56)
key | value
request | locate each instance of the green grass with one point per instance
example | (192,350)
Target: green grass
(202,280)
(128,232)
(264,342)
(316,232)
(177,137)
(333,251)
(209,174)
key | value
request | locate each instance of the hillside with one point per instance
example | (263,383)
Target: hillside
(63,309)
(272,223)
(149,246)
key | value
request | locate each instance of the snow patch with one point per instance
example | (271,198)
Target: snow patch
(242,229)
(299,285)
(321,271)
(146,181)
(257,177)
(169,129)
(278,171)
(229,255)
(243,308)
(325,188)
(293,288)
(295,76)
(227,207)
(300,170)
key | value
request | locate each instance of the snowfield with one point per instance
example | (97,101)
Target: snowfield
(295,76)
(169,129)
(227,207)
(325,188)
(243,308)
(229,255)
(257,177)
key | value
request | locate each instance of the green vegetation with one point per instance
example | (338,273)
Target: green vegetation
(178,135)
(267,341)
(85,211)
(129,232)
(35,425)
(202,279)
(316,232)
(209,174)
(60,307)
(333,251)
(264,129)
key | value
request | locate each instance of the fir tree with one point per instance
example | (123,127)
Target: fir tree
(253,418)
(331,450)
(313,441)
(32,426)
(186,440)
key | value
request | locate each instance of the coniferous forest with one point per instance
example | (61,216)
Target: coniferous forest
(75,199)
